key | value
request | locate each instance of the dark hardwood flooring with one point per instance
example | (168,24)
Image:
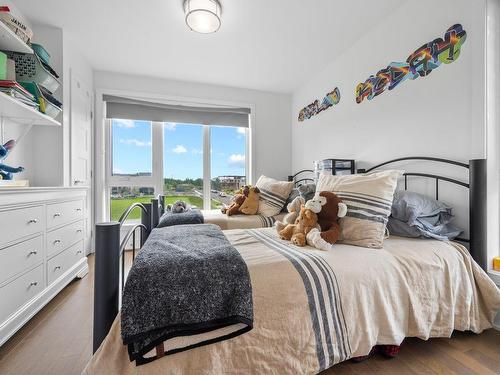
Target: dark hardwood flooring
(58,340)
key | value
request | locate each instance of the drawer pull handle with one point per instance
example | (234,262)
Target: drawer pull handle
(57,241)
(78,209)
(32,221)
(33,252)
(57,268)
(57,214)
(79,252)
(34,283)
(79,231)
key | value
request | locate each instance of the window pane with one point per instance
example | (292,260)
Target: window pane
(183,163)
(123,196)
(132,152)
(228,163)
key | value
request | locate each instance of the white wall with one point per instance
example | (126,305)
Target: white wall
(271,127)
(441,115)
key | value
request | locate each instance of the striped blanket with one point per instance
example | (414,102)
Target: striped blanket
(313,308)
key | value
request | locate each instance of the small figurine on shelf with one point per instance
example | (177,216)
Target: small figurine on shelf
(6,171)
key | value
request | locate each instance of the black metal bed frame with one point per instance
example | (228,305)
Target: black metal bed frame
(110,277)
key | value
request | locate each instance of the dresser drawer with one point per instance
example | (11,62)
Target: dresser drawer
(17,223)
(19,291)
(61,238)
(64,261)
(20,257)
(61,213)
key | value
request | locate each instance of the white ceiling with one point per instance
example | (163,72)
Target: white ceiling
(271,45)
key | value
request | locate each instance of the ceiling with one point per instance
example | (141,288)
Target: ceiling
(271,45)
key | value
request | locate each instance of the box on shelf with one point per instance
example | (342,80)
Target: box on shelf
(48,104)
(334,167)
(18,27)
(30,68)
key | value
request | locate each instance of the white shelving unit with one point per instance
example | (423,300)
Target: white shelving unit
(9,107)
(9,41)
(16,111)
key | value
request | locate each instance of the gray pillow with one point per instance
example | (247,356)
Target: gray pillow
(416,215)
(408,206)
(306,191)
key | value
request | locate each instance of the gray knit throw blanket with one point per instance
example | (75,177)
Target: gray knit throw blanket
(187,280)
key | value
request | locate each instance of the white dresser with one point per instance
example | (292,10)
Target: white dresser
(43,237)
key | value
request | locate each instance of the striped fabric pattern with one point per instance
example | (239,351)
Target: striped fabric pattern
(369,201)
(323,294)
(273,195)
(267,222)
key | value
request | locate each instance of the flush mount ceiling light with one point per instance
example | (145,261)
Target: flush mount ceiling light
(203,16)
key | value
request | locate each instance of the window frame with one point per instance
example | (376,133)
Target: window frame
(156,180)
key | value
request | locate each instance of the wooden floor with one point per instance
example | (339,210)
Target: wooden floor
(58,340)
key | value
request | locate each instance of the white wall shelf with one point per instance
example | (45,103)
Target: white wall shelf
(9,41)
(16,111)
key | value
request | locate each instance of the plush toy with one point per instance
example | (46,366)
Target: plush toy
(238,199)
(251,204)
(178,207)
(245,202)
(297,232)
(5,170)
(331,209)
(293,209)
(307,191)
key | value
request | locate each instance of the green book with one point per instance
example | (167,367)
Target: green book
(3,66)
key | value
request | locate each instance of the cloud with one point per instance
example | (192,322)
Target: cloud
(170,126)
(117,171)
(195,151)
(241,131)
(135,142)
(127,124)
(236,160)
(179,149)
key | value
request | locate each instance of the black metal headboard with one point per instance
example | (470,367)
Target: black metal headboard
(301,177)
(477,198)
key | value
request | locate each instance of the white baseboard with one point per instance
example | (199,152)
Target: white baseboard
(25,313)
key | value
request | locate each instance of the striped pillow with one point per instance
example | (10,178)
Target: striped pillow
(369,201)
(273,195)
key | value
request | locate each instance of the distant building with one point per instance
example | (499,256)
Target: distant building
(231,182)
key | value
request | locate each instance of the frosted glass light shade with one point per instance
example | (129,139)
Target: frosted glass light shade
(203,16)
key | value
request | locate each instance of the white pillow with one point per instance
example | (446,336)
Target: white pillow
(369,201)
(273,195)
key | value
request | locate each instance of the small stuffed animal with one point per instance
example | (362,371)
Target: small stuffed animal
(307,191)
(238,200)
(331,208)
(293,209)
(6,171)
(251,204)
(178,207)
(297,232)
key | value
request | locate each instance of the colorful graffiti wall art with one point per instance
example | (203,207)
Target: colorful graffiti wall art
(330,99)
(419,64)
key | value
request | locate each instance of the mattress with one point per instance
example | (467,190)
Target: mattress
(239,221)
(313,308)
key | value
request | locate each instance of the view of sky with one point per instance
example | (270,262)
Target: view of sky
(183,149)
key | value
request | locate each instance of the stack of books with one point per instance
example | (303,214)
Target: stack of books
(18,92)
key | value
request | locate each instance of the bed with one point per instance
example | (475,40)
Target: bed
(323,307)
(226,222)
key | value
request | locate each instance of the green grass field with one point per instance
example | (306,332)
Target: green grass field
(119,205)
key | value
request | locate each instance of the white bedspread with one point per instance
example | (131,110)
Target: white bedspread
(313,309)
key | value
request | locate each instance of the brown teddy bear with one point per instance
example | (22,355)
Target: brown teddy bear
(293,209)
(331,209)
(297,232)
(245,202)
(251,204)
(238,200)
